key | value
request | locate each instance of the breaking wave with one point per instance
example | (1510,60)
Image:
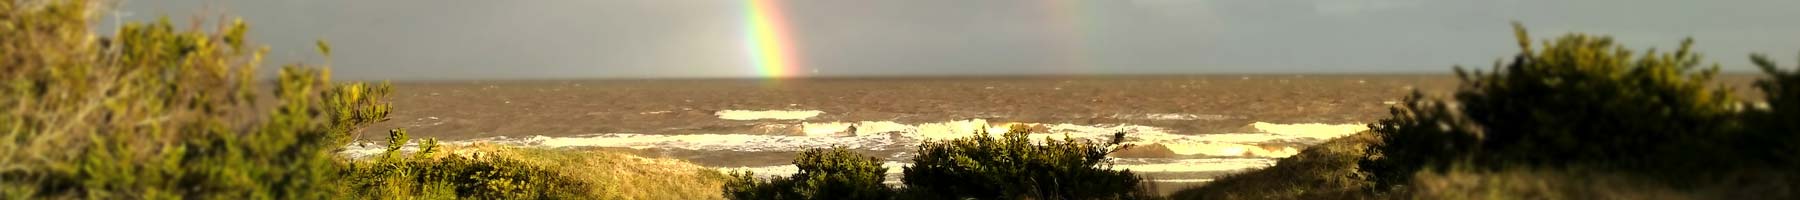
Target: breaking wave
(1151,167)
(767,114)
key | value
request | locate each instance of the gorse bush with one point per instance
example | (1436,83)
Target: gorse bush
(1578,101)
(832,173)
(160,113)
(1587,99)
(1014,167)
(1777,125)
(978,167)
(1583,102)
(155,112)
(1420,133)
(1578,117)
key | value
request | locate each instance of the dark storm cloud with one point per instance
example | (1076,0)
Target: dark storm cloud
(463,39)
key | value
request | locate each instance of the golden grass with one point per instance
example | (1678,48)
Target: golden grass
(614,175)
(1325,171)
(1538,184)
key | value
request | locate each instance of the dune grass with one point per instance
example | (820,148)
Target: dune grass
(484,170)
(1523,183)
(617,175)
(1324,171)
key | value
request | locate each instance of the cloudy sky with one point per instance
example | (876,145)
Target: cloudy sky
(520,39)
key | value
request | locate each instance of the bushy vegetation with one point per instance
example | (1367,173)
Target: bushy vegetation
(830,173)
(1014,167)
(1776,126)
(976,167)
(156,112)
(1578,118)
(1583,102)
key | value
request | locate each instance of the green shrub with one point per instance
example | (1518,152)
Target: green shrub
(1777,126)
(1582,98)
(1577,118)
(834,173)
(1013,167)
(154,112)
(1583,102)
(1421,132)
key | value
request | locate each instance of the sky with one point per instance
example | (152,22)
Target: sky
(536,39)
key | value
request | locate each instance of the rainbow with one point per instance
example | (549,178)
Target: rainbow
(767,41)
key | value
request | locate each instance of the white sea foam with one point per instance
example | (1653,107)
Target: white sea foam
(768,114)
(1196,165)
(711,142)
(786,170)
(358,150)
(361,150)
(861,128)
(1311,130)
(1171,116)
(885,135)
(1228,149)
(1154,166)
